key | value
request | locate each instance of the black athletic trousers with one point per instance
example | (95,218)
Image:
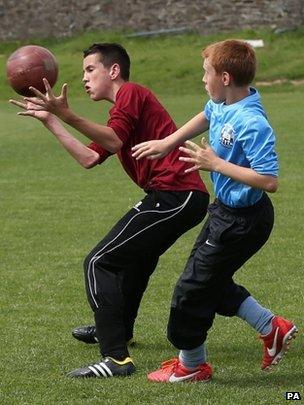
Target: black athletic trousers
(206,287)
(117,270)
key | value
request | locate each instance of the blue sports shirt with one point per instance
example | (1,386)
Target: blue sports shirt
(240,133)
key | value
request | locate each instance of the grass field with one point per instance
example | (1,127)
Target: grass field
(53,212)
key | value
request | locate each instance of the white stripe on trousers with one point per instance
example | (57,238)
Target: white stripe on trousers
(100,253)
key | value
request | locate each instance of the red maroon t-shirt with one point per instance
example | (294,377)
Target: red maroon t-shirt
(137,116)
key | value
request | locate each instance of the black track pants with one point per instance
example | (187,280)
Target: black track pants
(206,287)
(117,270)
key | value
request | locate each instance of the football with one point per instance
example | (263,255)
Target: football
(28,65)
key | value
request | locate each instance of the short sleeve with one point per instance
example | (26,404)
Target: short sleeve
(258,142)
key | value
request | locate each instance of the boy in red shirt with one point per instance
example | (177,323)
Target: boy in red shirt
(117,270)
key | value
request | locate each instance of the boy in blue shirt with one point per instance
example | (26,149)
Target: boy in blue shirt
(244,166)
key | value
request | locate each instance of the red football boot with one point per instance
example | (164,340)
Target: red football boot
(174,371)
(277,341)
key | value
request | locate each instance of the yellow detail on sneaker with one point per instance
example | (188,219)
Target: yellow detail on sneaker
(122,362)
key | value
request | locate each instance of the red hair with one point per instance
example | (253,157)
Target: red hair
(235,57)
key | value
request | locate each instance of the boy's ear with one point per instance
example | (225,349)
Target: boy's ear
(114,71)
(226,78)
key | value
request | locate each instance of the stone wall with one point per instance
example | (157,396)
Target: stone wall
(58,18)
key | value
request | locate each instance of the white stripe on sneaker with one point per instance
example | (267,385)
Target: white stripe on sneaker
(173,377)
(106,368)
(272,351)
(102,371)
(94,371)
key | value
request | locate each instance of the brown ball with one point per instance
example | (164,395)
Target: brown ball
(28,65)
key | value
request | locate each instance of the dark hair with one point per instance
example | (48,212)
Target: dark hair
(111,53)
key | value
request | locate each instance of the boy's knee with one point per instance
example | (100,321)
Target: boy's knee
(91,261)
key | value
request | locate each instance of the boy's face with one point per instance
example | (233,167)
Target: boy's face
(213,82)
(96,78)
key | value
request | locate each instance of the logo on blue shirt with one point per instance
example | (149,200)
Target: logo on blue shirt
(227,135)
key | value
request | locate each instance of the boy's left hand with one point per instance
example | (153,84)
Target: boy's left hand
(57,105)
(203,158)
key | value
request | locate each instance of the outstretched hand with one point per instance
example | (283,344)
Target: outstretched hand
(202,158)
(32,110)
(154,149)
(57,105)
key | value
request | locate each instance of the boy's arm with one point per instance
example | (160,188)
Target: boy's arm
(247,176)
(101,134)
(159,148)
(205,158)
(85,156)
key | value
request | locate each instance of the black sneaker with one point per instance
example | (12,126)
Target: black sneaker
(108,367)
(87,334)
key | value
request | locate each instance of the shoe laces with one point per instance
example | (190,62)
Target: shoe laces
(171,364)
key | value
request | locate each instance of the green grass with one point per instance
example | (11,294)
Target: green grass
(168,64)
(53,212)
